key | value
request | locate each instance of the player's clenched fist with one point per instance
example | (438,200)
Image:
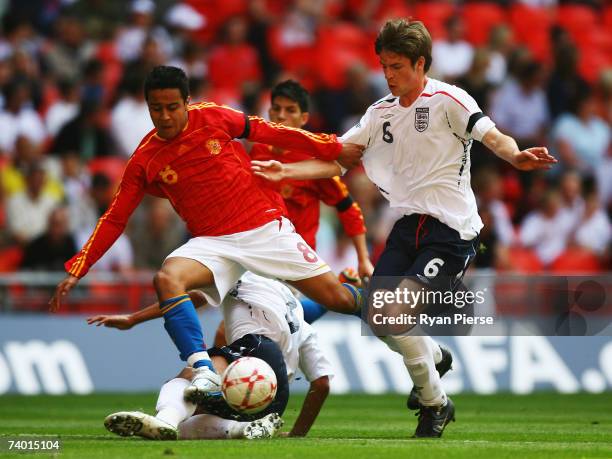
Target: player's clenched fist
(351,154)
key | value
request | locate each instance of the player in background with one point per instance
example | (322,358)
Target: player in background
(418,141)
(262,319)
(290,107)
(190,158)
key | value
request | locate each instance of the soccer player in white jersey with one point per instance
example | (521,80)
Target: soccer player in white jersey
(418,141)
(262,319)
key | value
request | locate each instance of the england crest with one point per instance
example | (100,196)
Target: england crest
(421,118)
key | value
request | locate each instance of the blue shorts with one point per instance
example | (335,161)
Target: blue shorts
(422,247)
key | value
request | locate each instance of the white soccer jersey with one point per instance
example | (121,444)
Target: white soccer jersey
(263,306)
(419,156)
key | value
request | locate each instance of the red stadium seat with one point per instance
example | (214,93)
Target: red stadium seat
(576,261)
(433,15)
(111,166)
(10,259)
(607,17)
(592,62)
(578,18)
(525,260)
(338,48)
(479,19)
(531,27)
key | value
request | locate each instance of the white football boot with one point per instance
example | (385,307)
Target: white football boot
(130,423)
(204,384)
(265,427)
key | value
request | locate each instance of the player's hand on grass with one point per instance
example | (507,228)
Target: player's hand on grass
(533,158)
(350,156)
(61,291)
(270,170)
(118,321)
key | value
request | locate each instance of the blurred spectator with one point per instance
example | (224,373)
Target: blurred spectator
(70,50)
(182,20)
(26,68)
(130,120)
(120,256)
(223,71)
(570,187)
(499,46)
(49,251)
(76,181)
(452,57)
(594,231)
(18,33)
(581,137)
(548,229)
(475,81)
(141,27)
(519,107)
(192,61)
(489,189)
(18,118)
(65,108)
(157,235)
(343,108)
(14,175)
(564,84)
(28,211)
(497,234)
(86,134)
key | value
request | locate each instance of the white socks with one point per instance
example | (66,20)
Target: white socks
(171,407)
(208,426)
(174,410)
(420,354)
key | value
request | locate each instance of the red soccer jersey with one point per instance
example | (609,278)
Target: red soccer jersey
(302,197)
(203,174)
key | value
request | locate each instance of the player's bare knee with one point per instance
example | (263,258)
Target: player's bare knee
(165,283)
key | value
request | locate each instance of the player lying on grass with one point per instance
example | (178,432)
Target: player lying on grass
(191,159)
(262,319)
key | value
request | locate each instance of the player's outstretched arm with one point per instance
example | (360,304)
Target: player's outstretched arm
(311,169)
(127,321)
(321,146)
(506,148)
(317,393)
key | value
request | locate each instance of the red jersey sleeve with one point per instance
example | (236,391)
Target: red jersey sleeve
(334,193)
(322,146)
(112,223)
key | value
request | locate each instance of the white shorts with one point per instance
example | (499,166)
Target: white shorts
(313,362)
(273,250)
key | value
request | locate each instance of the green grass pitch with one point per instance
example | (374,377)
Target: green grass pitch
(356,426)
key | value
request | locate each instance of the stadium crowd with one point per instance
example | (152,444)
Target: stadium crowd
(72,111)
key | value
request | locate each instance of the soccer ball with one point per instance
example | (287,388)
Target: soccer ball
(248,385)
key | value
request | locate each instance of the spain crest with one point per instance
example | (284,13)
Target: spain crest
(214,146)
(421,118)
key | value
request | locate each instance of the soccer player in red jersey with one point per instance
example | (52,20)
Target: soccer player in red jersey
(289,107)
(191,159)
